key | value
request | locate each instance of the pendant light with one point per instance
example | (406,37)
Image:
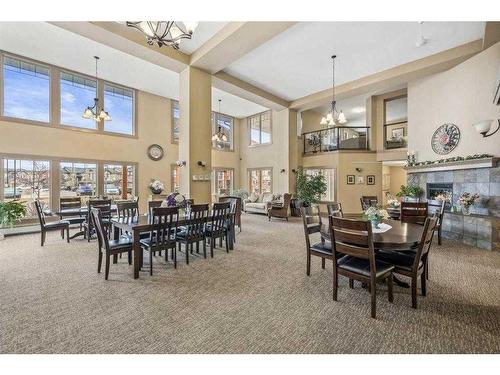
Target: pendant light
(165,33)
(219,136)
(333,116)
(95,112)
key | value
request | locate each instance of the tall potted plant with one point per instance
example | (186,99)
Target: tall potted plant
(10,212)
(310,188)
(410,193)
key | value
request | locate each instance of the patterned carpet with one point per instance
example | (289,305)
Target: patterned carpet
(257,299)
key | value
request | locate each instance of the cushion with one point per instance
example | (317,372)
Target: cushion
(266,198)
(362,266)
(120,243)
(253,198)
(399,259)
(258,206)
(324,248)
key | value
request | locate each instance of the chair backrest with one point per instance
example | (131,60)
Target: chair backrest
(353,237)
(164,220)
(70,203)
(196,223)
(220,216)
(413,212)
(236,211)
(426,240)
(153,204)
(436,207)
(367,201)
(190,201)
(335,209)
(97,222)
(311,219)
(127,210)
(39,212)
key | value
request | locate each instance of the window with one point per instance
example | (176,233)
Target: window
(222,182)
(176,118)
(396,122)
(260,180)
(226,124)
(119,102)
(27,180)
(119,181)
(26,90)
(260,129)
(175,177)
(78,180)
(77,92)
(329,174)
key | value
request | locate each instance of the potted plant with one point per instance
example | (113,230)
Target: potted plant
(10,212)
(376,215)
(410,192)
(466,200)
(156,186)
(310,188)
(240,193)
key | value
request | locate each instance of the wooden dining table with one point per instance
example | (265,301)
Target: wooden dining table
(142,224)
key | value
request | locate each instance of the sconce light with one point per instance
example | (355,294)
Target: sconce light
(202,163)
(282,171)
(483,127)
(358,169)
(180,163)
(294,171)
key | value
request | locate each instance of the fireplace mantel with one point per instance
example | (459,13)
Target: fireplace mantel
(454,165)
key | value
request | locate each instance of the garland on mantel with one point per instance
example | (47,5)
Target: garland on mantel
(449,160)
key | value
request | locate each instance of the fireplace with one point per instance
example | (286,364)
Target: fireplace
(434,189)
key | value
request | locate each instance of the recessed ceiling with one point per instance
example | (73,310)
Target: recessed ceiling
(297,62)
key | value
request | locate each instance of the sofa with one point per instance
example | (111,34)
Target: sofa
(259,203)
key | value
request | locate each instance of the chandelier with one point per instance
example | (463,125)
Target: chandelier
(165,33)
(220,136)
(333,116)
(95,112)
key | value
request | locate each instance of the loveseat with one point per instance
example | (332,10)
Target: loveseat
(259,203)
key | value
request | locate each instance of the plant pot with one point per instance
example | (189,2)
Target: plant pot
(376,223)
(156,191)
(466,210)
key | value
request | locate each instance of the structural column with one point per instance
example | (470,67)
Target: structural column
(195,106)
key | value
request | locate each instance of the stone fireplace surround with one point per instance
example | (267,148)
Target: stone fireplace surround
(482,227)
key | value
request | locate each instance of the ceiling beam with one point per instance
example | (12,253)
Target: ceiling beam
(390,78)
(233,41)
(491,34)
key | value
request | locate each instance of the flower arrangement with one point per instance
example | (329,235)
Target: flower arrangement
(156,186)
(466,200)
(375,215)
(392,201)
(410,191)
(175,200)
(442,197)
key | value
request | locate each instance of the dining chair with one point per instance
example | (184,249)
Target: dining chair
(237,209)
(162,235)
(335,209)
(436,207)
(107,246)
(104,206)
(153,204)
(194,230)
(219,226)
(413,265)
(413,212)
(72,203)
(368,201)
(60,225)
(127,209)
(353,239)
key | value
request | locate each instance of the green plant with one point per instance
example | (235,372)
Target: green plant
(410,191)
(10,212)
(241,193)
(310,188)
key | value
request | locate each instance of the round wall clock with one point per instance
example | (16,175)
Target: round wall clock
(155,152)
(445,139)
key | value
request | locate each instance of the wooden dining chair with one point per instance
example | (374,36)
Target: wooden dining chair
(153,204)
(436,208)
(194,231)
(127,209)
(72,203)
(219,226)
(60,225)
(162,235)
(104,206)
(106,246)
(367,201)
(237,209)
(413,212)
(413,265)
(353,240)
(335,209)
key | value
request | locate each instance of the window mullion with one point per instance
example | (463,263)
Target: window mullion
(55,97)
(100,95)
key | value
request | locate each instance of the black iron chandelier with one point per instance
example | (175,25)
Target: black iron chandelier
(333,116)
(220,136)
(95,112)
(165,33)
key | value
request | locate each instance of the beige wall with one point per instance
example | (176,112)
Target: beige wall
(153,126)
(311,121)
(462,95)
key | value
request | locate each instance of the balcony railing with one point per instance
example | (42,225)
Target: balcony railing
(336,138)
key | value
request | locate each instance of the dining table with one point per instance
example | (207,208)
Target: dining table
(143,224)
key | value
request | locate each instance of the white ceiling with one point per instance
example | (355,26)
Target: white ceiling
(203,33)
(234,105)
(297,62)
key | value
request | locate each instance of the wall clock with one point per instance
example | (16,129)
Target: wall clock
(445,139)
(155,152)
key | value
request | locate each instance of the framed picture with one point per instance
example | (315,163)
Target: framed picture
(370,179)
(350,179)
(398,133)
(360,180)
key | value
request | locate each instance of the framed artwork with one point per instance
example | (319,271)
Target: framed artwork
(360,180)
(398,133)
(370,179)
(350,179)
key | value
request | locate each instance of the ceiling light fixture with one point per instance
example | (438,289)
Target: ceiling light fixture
(220,136)
(333,116)
(95,112)
(421,39)
(165,33)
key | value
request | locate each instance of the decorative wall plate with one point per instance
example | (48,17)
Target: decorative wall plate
(445,139)
(155,152)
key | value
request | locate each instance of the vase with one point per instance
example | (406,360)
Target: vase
(466,210)
(156,191)
(376,223)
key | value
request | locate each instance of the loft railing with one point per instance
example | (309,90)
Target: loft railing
(336,138)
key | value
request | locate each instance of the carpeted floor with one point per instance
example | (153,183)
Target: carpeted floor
(257,299)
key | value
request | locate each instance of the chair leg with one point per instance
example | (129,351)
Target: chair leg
(99,261)
(351,283)
(373,295)
(42,239)
(174,255)
(227,242)
(308,268)
(106,274)
(439,236)
(426,265)
(212,243)
(129,257)
(197,247)
(204,248)
(335,280)
(150,262)
(414,292)
(323,263)
(423,284)
(390,295)
(62,233)
(67,234)
(187,253)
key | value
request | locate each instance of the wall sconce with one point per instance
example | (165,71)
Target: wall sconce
(202,163)
(294,171)
(282,171)
(358,169)
(180,163)
(483,127)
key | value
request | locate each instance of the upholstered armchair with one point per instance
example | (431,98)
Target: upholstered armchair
(281,209)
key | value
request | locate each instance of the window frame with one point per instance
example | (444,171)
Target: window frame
(173,140)
(55,99)
(249,129)
(214,116)
(260,169)
(386,124)
(213,188)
